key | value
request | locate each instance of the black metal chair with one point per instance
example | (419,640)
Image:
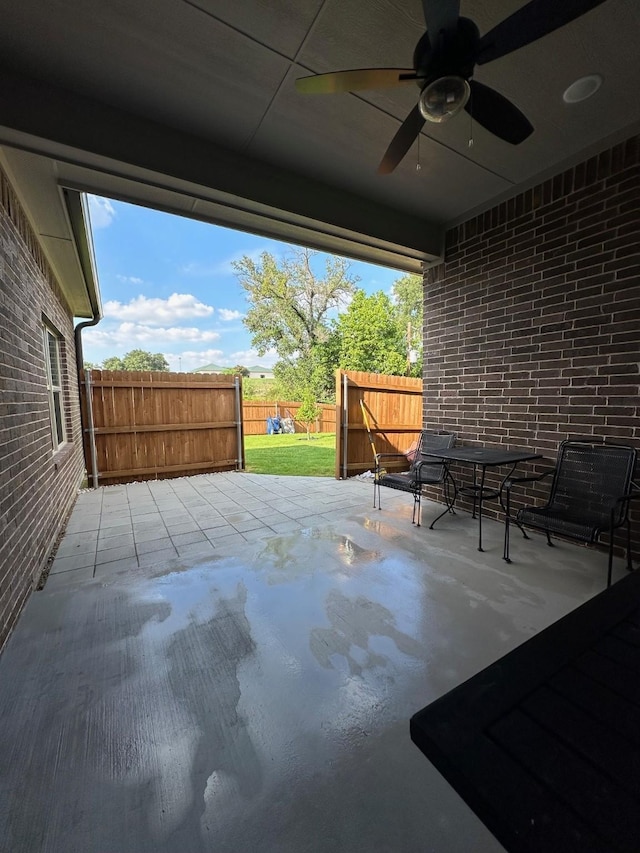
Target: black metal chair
(425,470)
(590,494)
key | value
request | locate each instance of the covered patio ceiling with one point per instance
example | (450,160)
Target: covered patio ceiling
(191,107)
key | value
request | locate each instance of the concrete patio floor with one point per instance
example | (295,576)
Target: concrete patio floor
(229,662)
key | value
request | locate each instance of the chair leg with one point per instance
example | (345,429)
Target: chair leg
(505,549)
(549,542)
(417,497)
(522,530)
(629,565)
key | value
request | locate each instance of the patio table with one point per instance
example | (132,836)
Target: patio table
(544,744)
(482,458)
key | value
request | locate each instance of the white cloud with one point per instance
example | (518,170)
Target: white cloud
(249,357)
(227,314)
(179,306)
(130,279)
(101,211)
(190,359)
(130,334)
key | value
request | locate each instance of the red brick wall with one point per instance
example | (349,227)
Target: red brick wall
(532,324)
(37,486)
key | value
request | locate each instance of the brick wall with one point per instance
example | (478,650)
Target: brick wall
(37,486)
(532,324)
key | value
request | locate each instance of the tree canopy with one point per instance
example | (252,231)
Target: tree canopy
(370,337)
(407,297)
(318,323)
(137,359)
(238,370)
(289,302)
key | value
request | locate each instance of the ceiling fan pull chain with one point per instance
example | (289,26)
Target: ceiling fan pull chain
(418,164)
(470,144)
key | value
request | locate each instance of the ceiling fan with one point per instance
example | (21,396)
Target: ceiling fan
(443,65)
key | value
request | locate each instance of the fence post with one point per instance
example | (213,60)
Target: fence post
(345,424)
(239,423)
(91,429)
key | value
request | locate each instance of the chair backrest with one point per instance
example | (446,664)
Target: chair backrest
(589,478)
(430,441)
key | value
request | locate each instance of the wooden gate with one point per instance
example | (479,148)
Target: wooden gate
(392,407)
(143,425)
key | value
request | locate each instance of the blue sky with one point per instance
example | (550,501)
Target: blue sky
(168,286)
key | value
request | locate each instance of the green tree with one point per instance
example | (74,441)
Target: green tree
(238,370)
(308,412)
(289,302)
(369,336)
(137,359)
(91,365)
(114,362)
(407,295)
(314,373)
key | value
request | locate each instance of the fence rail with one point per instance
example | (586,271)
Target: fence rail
(391,406)
(148,425)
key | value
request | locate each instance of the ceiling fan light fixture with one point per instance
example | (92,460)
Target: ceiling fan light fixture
(443,99)
(582,89)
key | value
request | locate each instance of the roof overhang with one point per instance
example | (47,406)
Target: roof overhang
(60,220)
(99,149)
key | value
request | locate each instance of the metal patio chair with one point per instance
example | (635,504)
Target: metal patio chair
(425,470)
(591,490)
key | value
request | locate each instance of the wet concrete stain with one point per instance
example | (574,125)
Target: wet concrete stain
(354,621)
(203,674)
(77,706)
(286,558)
(180,567)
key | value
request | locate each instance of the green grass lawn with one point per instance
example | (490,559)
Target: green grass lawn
(291,453)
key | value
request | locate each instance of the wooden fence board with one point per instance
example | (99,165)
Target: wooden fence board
(256,412)
(393,407)
(152,425)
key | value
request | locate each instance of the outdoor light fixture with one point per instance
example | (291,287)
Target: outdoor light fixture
(582,89)
(444,98)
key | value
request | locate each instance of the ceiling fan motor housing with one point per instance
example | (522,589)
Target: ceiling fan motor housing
(447,54)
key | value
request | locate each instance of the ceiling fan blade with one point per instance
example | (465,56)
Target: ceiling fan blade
(352,81)
(538,18)
(403,140)
(497,114)
(440,15)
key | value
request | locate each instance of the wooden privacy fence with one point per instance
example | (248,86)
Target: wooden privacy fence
(143,425)
(393,408)
(256,412)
